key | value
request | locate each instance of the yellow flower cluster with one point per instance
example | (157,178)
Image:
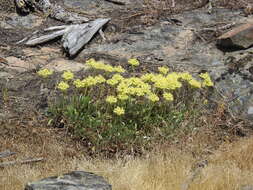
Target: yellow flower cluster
(101,66)
(172,80)
(116,78)
(133,86)
(67,75)
(185,76)
(89,81)
(63,86)
(194,83)
(123,97)
(168,96)
(125,88)
(163,70)
(148,77)
(169,82)
(111,99)
(119,110)
(153,97)
(133,62)
(45,73)
(188,77)
(207,80)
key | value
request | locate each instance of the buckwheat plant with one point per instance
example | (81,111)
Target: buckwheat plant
(114,105)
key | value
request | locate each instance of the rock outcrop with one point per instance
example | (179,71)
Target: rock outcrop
(185,42)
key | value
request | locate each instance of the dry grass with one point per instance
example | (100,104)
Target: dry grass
(230,167)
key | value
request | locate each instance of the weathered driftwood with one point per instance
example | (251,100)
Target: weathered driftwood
(4,164)
(78,35)
(6,153)
(44,38)
(75,36)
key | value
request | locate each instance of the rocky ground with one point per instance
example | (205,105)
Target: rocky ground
(183,41)
(183,37)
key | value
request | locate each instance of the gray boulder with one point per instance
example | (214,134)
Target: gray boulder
(76,180)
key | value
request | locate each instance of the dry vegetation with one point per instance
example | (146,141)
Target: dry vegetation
(229,167)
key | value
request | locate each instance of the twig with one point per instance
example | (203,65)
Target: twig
(116,2)
(134,15)
(4,164)
(102,34)
(6,153)
(173,3)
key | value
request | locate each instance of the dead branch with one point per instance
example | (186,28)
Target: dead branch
(6,153)
(27,161)
(116,2)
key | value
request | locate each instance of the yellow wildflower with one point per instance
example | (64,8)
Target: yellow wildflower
(133,86)
(63,86)
(90,62)
(185,76)
(207,80)
(205,101)
(169,82)
(111,99)
(147,77)
(163,70)
(118,69)
(67,75)
(89,81)
(122,97)
(195,83)
(119,110)
(108,68)
(78,83)
(153,97)
(134,62)
(112,82)
(168,96)
(99,79)
(117,77)
(45,73)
